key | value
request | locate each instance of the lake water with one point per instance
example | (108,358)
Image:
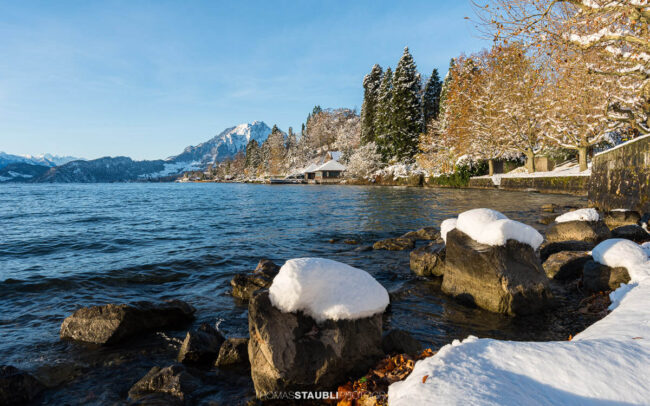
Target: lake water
(66,246)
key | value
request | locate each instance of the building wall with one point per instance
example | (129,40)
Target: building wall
(620,177)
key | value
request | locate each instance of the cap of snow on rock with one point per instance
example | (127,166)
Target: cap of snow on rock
(579,215)
(446,226)
(618,252)
(491,227)
(327,290)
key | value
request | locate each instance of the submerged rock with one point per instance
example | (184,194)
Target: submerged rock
(428,260)
(201,346)
(588,231)
(504,279)
(425,233)
(597,277)
(632,232)
(244,286)
(110,324)
(173,384)
(566,265)
(233,352)
(17,387)
(292,352)
(398,341)
(619,218)
(395,244)
(549,207)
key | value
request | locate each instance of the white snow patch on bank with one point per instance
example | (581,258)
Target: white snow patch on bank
(608,363)
(326,289)
(579,215)
(491,227)
(446,226)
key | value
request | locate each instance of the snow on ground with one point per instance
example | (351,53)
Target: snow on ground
(570,168)
(608,363)
(174,169)
(579,215)
(399,171)
(493,228)
(326,289)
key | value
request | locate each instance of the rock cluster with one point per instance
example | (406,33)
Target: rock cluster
(201,346)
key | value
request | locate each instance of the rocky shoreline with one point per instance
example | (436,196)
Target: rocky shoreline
(284,352)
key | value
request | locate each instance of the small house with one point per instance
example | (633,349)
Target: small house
(329,172)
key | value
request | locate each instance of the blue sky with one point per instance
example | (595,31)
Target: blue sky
(147,78)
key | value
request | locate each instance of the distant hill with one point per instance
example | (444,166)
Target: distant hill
(48,168)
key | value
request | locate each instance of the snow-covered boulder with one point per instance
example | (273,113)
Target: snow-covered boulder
(503,278)
(490,261)
(320,323)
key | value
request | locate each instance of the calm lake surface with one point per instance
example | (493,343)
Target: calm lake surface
(66,246)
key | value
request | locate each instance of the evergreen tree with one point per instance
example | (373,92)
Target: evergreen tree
(253,156)
(407,109)
(371,84)
(431,98)
(443,94)
(384,116)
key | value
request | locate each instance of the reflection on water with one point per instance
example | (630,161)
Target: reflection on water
(65,246)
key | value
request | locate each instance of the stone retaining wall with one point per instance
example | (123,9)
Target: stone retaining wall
(573,185)
(621,177)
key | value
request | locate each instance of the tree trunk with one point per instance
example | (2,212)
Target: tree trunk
(491,167)
(530,160)
(582,158)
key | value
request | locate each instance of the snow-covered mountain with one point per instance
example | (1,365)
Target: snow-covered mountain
(48,168)
(48,160)
(225,145)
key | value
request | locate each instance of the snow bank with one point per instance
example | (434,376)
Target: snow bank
(446,226)
(608,363)
(326,289)
(493,228)
(579,215)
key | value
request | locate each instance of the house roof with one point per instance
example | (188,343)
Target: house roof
(310,168)
(330,166)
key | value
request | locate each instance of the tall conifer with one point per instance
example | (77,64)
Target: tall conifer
(407,109)
(371,84)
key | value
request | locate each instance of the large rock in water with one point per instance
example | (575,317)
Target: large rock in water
(201,346)
(428,260)
(110,324)
(504,279)
(597,277)
(292,352)
(588,231)
(17,387)
(566,265)
(171,385)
